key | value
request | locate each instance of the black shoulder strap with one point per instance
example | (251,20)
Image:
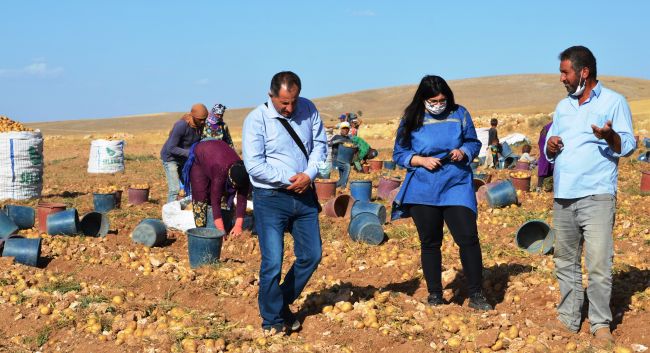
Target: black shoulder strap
(294,136)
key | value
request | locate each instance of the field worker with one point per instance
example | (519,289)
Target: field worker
(342,167)
(283,142)
(214,170)
(176,149)
(493,134)
(436,141)
(342,118)
(216,127)
(354,127)
(544,168)
(592,129)
(525,155)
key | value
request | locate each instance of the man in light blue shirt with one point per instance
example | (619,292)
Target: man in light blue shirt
(282,170)
(592,129)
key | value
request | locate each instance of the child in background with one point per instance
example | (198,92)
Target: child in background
(525,157)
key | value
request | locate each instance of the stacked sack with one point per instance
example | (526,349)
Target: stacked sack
(21,161)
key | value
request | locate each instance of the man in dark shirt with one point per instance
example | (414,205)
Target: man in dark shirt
(175,151)
(492,133)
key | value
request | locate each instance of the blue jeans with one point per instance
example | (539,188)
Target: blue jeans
(173,173)
(584,221)
(275,211)
(344,173)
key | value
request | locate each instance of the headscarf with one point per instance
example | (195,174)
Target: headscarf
(198,111)
(214,125)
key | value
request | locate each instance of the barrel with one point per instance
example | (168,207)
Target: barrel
(138,196)
(361,190)
(204,246)
(535,237)
(501,194)
(386,185)
(366,227)
(23,216)
(150,232)
(645,182)
(44,209)
(389,165)
(7,226)
(104,202)
(325,189)
(345,154)
(375,165)
(95,224)
(23,250)
(339,206)
(63,223)
(377,209)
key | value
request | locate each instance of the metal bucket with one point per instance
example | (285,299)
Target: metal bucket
(23,216)
(377,209)
(7,226)
(95,224)
(536,237)
(150,232)
(366,227)
(104,202)
(501,194)
(361,190)
(63,223)
(339,206)
(204,246)
(23,250)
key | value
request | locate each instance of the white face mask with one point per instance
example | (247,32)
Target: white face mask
(436,109)
(580,89)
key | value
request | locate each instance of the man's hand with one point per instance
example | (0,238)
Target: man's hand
(457,155)
(554,146)
(429,163)
(299,183)
(604,132)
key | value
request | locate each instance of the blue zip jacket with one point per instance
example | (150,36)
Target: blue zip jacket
(451,184)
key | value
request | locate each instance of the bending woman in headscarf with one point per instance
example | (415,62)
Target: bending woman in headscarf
(214,170)
(216,127)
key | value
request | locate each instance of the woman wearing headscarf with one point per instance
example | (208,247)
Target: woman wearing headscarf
(216,127)
(214,171)
(436,141)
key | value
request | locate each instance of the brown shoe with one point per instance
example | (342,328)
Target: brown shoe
(603,337)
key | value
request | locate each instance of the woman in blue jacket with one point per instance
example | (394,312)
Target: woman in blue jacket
(436,142)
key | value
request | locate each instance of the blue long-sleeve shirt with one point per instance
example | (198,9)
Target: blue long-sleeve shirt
(587,165)
(177,146)
(270,154)
(451,184)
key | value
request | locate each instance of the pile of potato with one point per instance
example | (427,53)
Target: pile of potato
(520,175)
(8,125)
(110,189)
(140,186)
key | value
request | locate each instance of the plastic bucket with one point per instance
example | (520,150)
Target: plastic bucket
(389,165)
(501,194)
(483,176)
(43,210)
(386,185)
(522,184)
(377,209)
(345,154)
(361,190)
(506,151)
(645,182)
(646,142)
(325,189)
(150,232)
(23,250)
(481,193)
(366,227)
(506,162)
(478,183)
(63,223)
(391,195)
(7,226)
(375,165)
(104,202)
(522,165)
(365,169)
(138,196)
(536,237)
(339,206)
(95,224)
(118,199)
(644,157)
(204,246)
(23,216)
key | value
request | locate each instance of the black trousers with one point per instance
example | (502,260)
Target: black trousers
(461,222)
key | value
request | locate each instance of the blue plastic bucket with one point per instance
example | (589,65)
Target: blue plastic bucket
(23,216)
(361,190)
(506,151)
(95,224)
(501,194)
(644,157)
(536,237)
(366,227)
(345,154)
(389,165)
(204,246)
(25,251)
(228,218)
(377,209)
(150,232)
(646,142)
(104,202)
(7,226)
(63,223)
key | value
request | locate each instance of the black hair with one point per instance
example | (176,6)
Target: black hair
(580,57)
(494,122)
(239,176)
(526,149)
(287,79)
(430,86)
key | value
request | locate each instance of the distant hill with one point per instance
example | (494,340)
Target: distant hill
(527,94)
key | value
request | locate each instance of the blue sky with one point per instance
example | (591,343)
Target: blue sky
(89,59)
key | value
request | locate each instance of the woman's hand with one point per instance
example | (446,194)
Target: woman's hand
(237,228)
(429,163)
(457,155)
